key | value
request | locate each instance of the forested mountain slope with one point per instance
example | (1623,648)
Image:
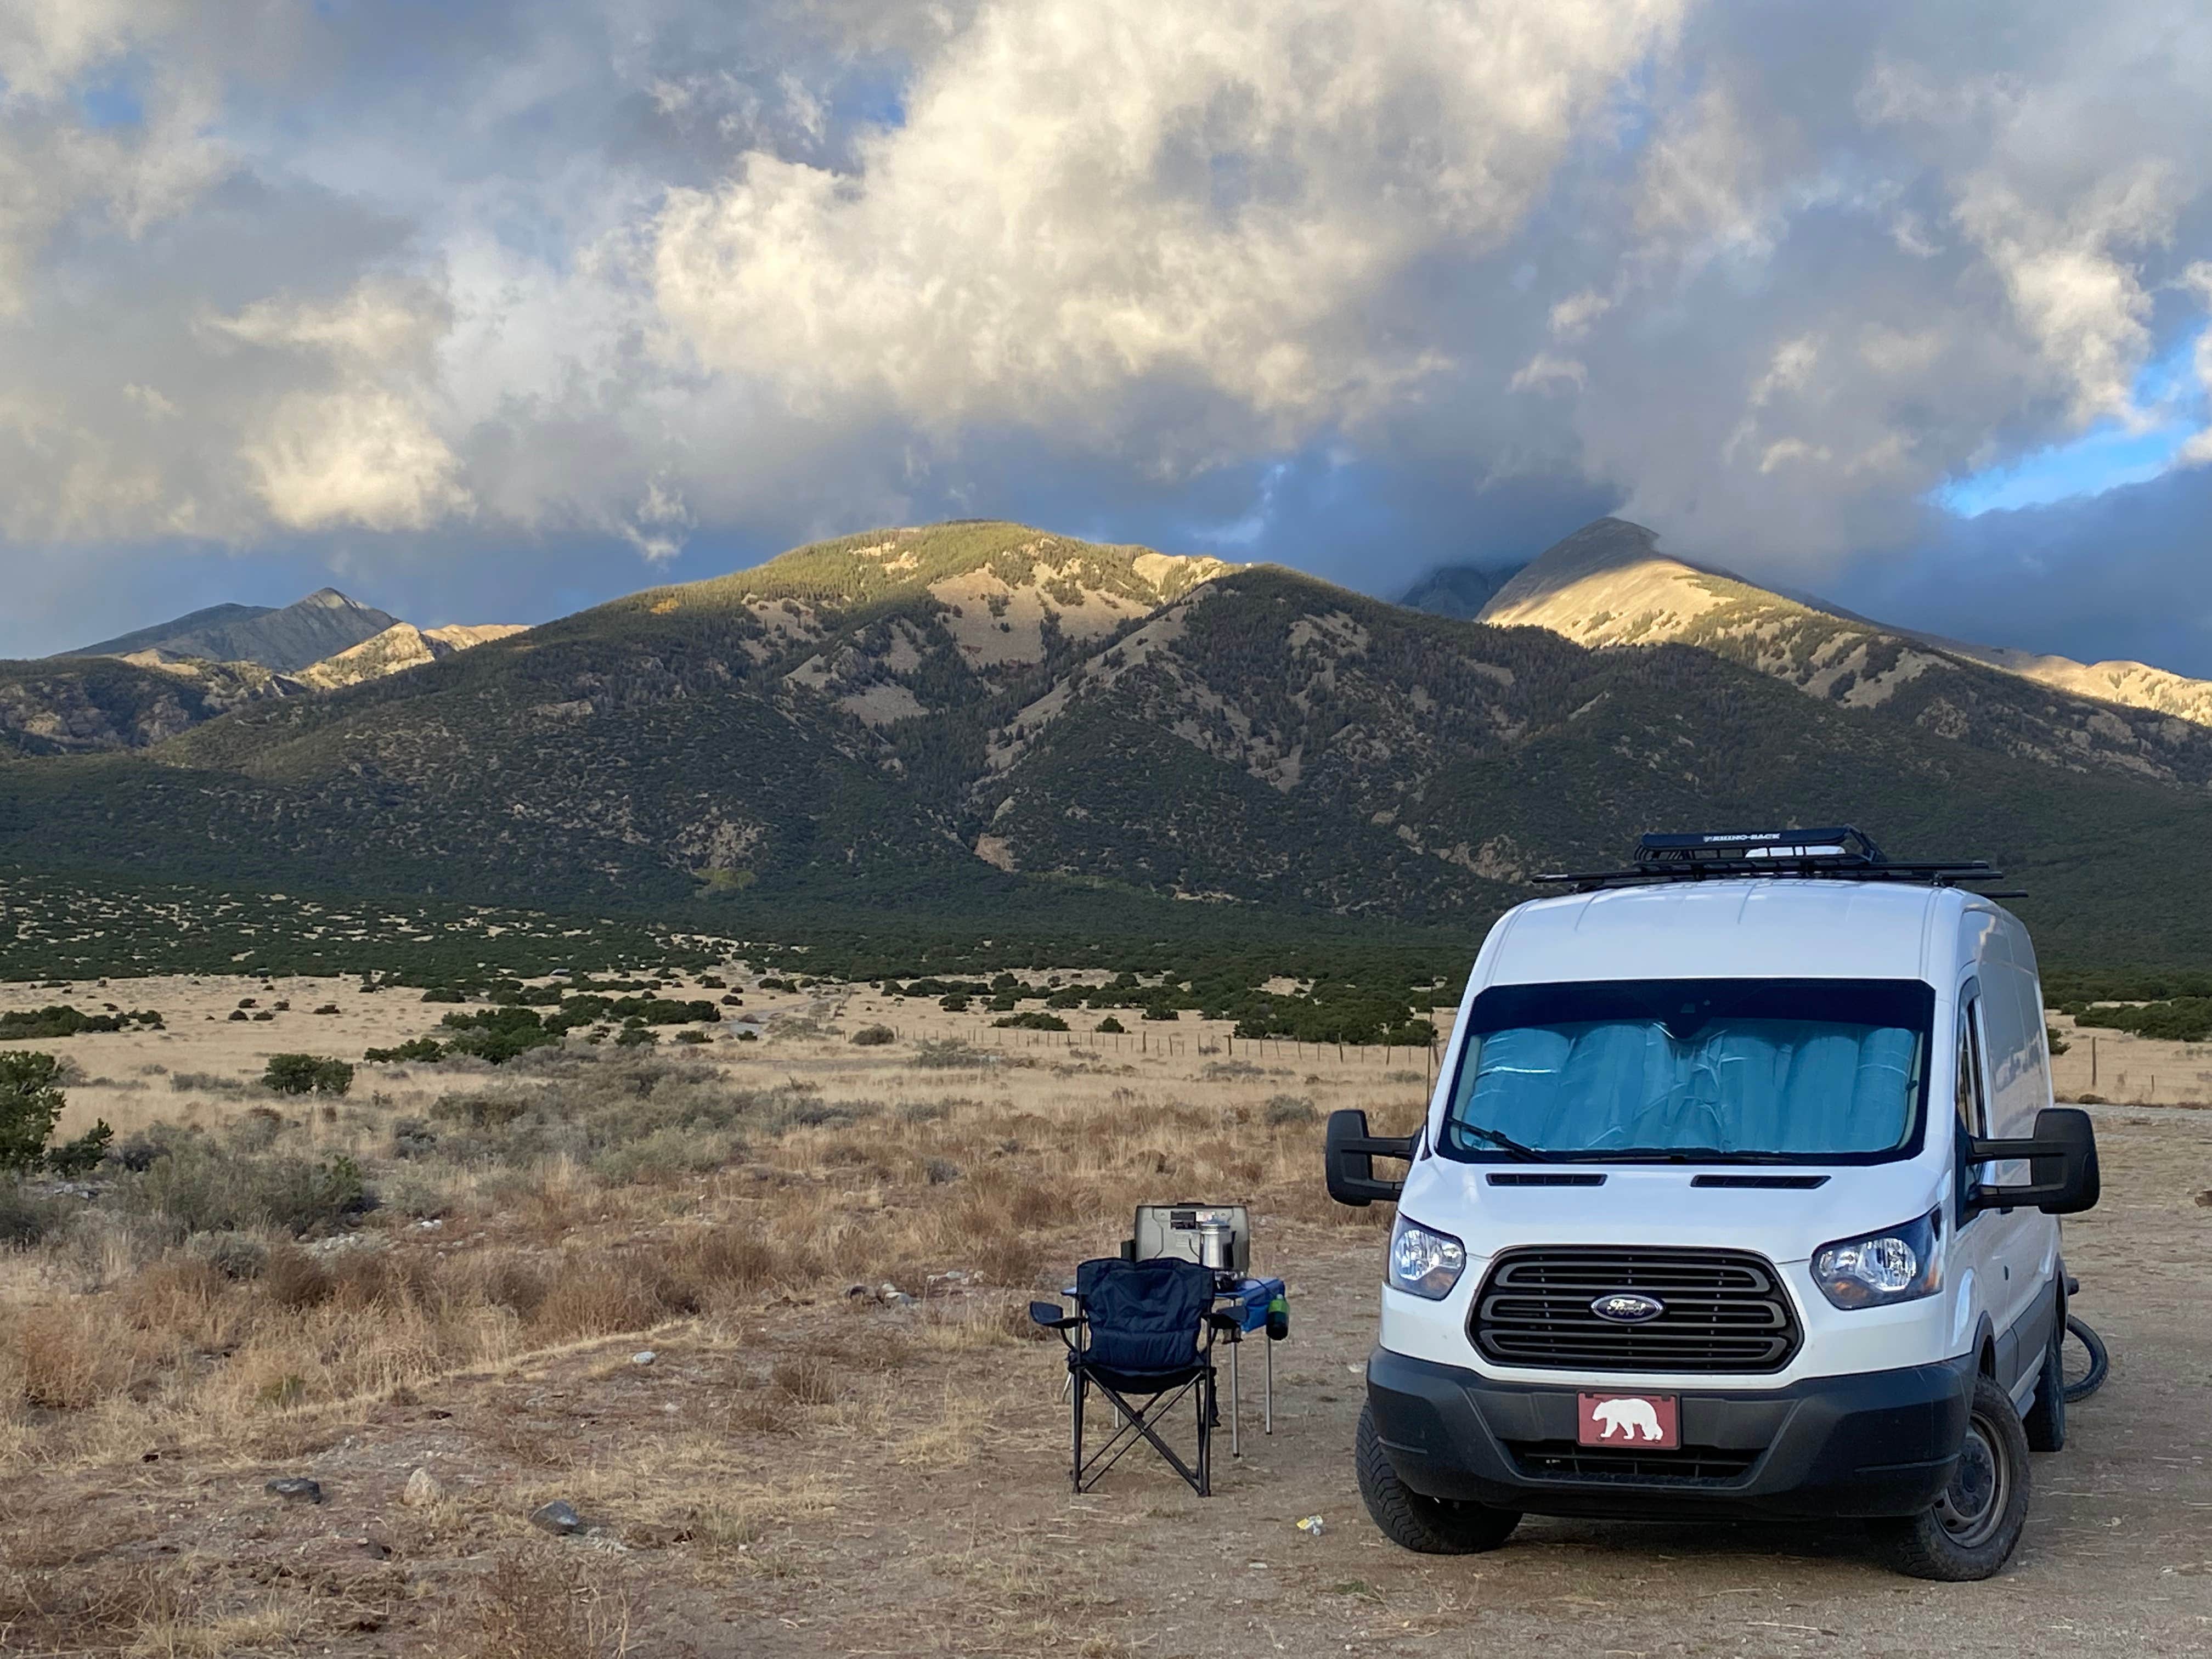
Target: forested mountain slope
(940,716)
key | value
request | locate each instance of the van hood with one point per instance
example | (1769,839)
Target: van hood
(1661,1206)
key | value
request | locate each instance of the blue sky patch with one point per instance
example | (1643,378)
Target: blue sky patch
(2108,455)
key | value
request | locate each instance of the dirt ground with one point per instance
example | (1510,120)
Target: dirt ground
(907,1495)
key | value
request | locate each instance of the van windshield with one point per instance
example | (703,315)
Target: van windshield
(1773,1071)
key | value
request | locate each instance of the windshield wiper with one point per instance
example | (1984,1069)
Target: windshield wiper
(1675,1155)
(1504,1142)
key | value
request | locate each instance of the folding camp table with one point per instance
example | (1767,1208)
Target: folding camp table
(1248,1301)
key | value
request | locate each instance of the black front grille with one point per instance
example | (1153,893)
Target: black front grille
(1725,1310)
(1565,1459)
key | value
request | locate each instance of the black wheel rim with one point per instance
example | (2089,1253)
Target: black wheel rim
(1972,1507)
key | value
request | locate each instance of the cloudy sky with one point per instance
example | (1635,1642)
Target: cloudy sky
(484,311)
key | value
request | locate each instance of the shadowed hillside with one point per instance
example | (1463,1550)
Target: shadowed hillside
(946,718)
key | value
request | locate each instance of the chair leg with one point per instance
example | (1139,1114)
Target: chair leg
(1144,1423)
(1209,1411)
(1077,1388)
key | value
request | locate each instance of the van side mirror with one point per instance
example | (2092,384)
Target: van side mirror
(1349,1153)
(2062,1159)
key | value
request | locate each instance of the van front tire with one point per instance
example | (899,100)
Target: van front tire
(1431,1526)
(1972,1530)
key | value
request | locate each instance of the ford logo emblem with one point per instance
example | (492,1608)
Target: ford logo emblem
(1627,1308)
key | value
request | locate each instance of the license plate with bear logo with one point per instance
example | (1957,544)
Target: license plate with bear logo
(1645,1422)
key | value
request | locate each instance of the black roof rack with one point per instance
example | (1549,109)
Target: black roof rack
(1840,852)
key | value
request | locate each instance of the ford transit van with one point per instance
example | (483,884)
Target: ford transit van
(1736,1199)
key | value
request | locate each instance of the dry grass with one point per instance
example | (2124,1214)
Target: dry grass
(557,1215)
(532,1607)
(560,1221)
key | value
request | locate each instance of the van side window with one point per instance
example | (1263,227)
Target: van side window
(1974,1111)
(1973,1108)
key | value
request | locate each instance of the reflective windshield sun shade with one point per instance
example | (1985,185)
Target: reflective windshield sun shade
(1805,1070)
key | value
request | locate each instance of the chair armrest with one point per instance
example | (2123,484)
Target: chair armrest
(1048,1315)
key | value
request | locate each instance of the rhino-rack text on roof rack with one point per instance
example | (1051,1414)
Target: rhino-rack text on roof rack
(1842,852)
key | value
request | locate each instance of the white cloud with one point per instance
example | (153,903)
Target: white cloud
(359,455)
(1546,371)
(1083,198)
(648,270)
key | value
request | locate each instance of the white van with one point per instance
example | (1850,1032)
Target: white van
(1735,1198)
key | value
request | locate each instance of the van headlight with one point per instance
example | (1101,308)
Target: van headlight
(1424,1261)
(1899,1264)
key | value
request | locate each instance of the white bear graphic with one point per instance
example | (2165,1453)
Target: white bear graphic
(1628,1418)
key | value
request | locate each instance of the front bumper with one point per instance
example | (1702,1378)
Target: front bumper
(1878,1442)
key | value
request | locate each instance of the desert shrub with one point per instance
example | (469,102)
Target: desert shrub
(421,1050)
(804,1380)
(480,1111)
(1283,1109)
(235,1255)
(954,1002)
(499,1035)
(694,1038)
(27,1217)
(74,1159)
(72,1356)
(197,1189)
(637,1037)
(1036,1019)
(873,1036)
(1112,1026)
(805,1113)
(593,1293)
(256,1129)
(944,1053)
(30,1100)
(2178,1020)
(414,1192)
(301,1074)
(206,1082)
(293,1280)
(138,1150)
(666,1151)
(514,1282)
(498,1046)
(63,1021)
(529,1609)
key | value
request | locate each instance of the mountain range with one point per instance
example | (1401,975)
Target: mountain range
(967,719)
(1608,585)
(284,640)
(143,687)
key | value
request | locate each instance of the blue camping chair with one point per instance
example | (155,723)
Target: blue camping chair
(1142,1331)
